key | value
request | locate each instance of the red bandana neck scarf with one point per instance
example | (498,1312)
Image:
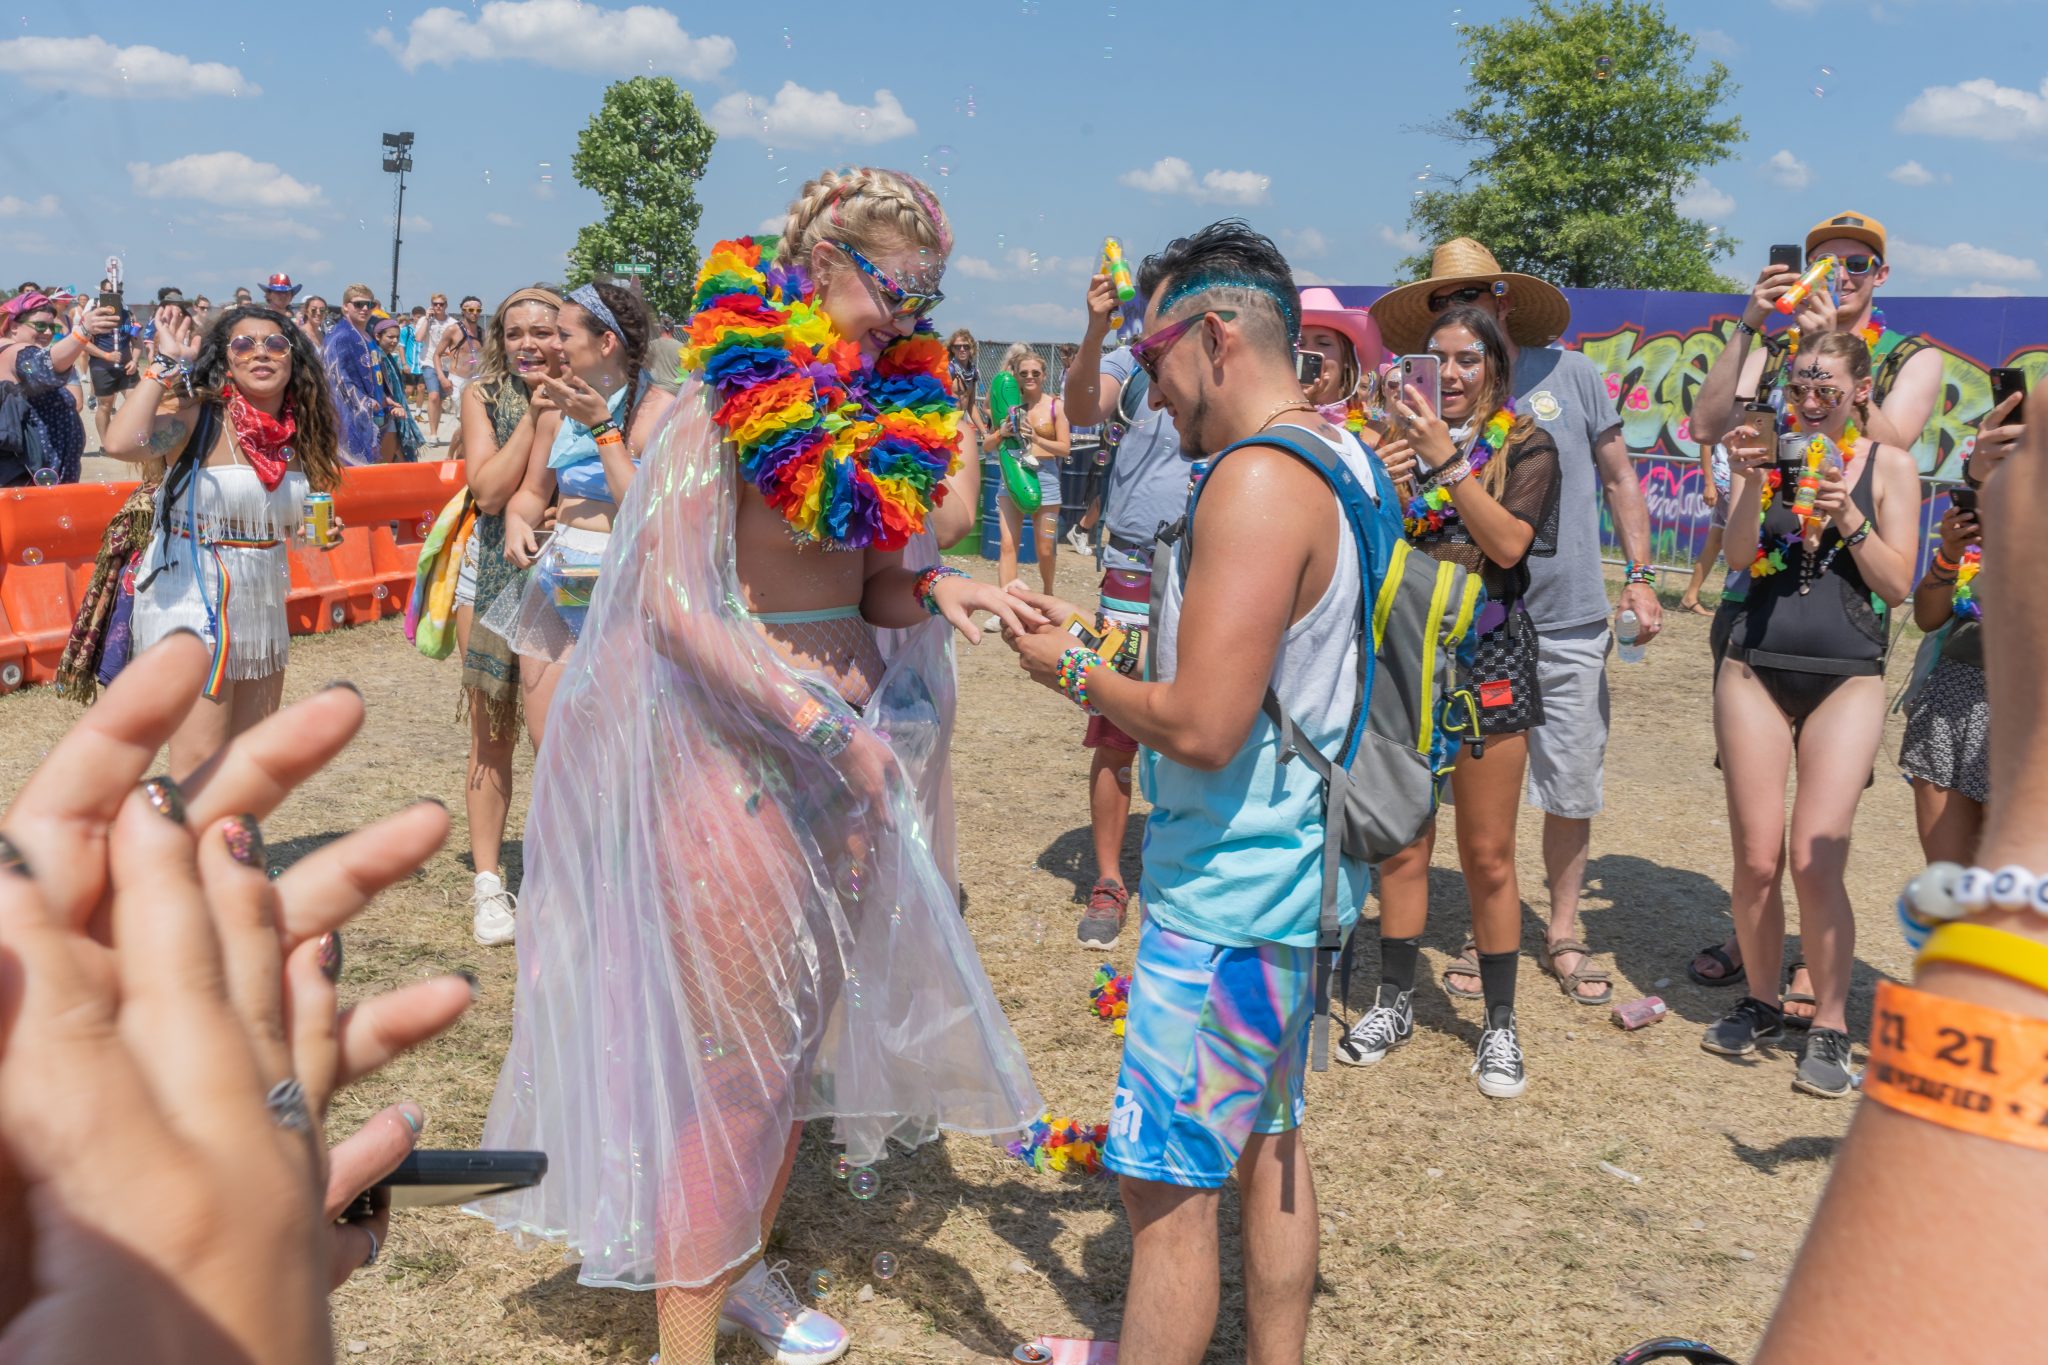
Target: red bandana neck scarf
(266,440)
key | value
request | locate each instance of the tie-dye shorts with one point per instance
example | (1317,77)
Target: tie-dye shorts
(1215,1050)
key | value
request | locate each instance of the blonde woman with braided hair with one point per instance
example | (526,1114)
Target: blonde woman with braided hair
(733,922)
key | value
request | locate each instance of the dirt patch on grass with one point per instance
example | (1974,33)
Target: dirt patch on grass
(1453,1226)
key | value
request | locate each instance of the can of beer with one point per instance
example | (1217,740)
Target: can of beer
(1031,1353)
(317,522)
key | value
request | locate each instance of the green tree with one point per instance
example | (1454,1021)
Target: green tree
(1585,122)
(642,154)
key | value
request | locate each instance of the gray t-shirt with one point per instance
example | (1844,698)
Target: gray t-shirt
(1563,391)
(1148,480)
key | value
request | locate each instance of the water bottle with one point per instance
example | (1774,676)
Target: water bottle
(1627,632)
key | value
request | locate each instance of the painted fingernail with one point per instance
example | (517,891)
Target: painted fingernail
(341,682)
(11,860)
(414,1116)
(244,838)
(330,956)
(474,988)
(164,796)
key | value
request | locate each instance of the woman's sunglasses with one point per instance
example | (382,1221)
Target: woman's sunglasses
(42,329)
(276,344)
(902,303)
(1149,352)
(1827,393)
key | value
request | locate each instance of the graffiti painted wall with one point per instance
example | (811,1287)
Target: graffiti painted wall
(1655,350)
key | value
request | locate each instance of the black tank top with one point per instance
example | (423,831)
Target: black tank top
(1835,619)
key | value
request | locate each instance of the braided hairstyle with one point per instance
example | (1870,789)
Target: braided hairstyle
(636,326)
(869,209)
(1856,355)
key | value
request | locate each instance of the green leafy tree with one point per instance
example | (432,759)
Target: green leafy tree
(1584,123)
(642,154)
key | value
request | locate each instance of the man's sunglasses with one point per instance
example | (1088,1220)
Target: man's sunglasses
(1149,352)
(903,303)
(1469,294)
(1827,393)
(360,303)
(275,343)
(1853,265)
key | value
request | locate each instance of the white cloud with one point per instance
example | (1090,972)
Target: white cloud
(976,268)
(1715,43)
(236,224)
(1053,316)
(1980,108)
(1171,175)
(1960,260)
(773,223)
(1797,6)
(1400,241)
(231,178)
(43,206)
(565,34)
(1978,289)
(1310,277)
(503,220)
(1788,172)
(94,66)
(802,118)
(1702,198)
(1305,242)
(1910,173)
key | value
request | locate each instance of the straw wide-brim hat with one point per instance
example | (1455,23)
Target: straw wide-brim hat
(1538,317)
(1320,308)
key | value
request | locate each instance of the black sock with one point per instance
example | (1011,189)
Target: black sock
(1497,980)
(1398,957)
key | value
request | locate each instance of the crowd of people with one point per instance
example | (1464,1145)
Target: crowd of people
(700,569)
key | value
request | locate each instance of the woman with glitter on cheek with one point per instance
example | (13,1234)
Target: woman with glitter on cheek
(733,920)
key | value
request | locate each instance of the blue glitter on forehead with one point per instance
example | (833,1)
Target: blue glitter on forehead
(1203,283)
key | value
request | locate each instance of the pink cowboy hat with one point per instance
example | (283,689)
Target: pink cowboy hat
(1320,308)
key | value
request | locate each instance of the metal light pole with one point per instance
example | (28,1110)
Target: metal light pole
(397,160)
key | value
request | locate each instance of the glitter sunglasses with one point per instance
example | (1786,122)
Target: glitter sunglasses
(1149,352)
(902,303)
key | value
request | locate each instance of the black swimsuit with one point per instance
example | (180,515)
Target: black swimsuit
(1812,625)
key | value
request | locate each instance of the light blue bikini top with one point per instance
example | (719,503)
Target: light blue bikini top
(579,472)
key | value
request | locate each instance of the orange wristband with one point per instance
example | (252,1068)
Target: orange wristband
(1964,1066)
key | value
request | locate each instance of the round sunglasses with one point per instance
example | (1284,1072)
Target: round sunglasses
(274,344)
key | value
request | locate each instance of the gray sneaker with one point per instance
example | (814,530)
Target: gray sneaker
(1108,903)
(1740,1031)
(1824,1067)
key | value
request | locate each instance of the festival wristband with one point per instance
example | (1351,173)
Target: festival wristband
(1998,951)
(1962,1065)
(603,429)
(825,731)
(1640,573)
(925,585)
(1856,537)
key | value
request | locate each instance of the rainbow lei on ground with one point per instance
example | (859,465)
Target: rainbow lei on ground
(1062,1145)
(1772,559)
(852,455)
(1431,510)
(1965,603)
(1111,995)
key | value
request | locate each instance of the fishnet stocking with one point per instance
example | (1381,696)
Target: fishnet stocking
(688,1318)
(842,649)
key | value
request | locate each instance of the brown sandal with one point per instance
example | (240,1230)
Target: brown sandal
(1570,981)
(1466,963)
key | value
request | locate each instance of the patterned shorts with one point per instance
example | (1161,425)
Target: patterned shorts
(1215,1050)
(1948,732)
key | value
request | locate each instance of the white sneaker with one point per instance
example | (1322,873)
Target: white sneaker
(494,907)
(1078,539)
(764,1306)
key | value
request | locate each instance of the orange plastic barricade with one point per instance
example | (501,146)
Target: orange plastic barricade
(50,536)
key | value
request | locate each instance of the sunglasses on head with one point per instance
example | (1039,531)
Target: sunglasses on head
(275,343)
(1149,352)
(1829,394)
(902,303)
(1854,265)
(1469,294)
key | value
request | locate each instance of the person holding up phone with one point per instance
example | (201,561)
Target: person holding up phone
(33,356)
(1946,753)
(1487,483)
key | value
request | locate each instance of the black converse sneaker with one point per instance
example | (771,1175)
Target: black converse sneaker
(1498,1061)
(1387,1025)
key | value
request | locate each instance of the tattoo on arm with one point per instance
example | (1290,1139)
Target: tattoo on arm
(166,437)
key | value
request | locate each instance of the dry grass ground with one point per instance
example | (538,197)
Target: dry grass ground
(1454,1227)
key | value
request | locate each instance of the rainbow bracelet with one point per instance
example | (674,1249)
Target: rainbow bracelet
(1640,573)
(922,588)
(1073,675)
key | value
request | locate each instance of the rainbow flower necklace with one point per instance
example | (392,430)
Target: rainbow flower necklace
(1773,557)
(1964,603)
(1430,511)
(854,455)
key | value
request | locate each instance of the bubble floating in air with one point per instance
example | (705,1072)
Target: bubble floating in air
(863,1184)
(885,1265)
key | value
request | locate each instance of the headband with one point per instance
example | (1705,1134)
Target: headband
(586,297)
(546,297)
(30,302)
(1203,283)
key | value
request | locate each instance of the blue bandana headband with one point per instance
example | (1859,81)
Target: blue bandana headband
(1202,284)
(586,297)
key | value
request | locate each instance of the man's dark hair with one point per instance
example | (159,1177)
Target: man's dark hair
(468,299)
(1229,265)
(27,287)
(169,291)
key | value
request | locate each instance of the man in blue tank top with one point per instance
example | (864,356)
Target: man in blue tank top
(1216,1041)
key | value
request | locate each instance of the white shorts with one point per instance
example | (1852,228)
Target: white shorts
(465,579)
(1568,751)
(456,384)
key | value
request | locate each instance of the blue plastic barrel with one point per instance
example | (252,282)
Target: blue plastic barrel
(992,520)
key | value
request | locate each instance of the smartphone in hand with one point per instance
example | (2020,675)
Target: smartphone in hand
(2005,382)
(1786,258)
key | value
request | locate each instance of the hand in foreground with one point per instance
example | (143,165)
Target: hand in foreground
(1053,612)
(1996,438)
(1771,283)
(1101,302)
(577,400)
(959,598)
(176,336)
(1750,448)
(522,546)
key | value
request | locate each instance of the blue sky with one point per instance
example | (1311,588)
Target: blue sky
(209,153)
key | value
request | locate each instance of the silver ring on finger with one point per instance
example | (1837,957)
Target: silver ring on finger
(287,1105)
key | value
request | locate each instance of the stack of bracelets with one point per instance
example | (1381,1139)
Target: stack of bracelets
(1962,1065)
(824,730)
(928,580)
(1073,675)
(607,434)
(1640,573)
(172,374)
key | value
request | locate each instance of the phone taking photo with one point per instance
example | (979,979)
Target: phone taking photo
(1786,258)
(427,1179)
(1424,373)
(2005,382)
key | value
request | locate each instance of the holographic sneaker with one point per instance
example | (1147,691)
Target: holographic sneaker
(766,1308)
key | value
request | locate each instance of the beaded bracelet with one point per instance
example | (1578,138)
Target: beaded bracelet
(1073,675)
(826,731)
(923,587)
(1640,573)
(1944,892)
(1448,475)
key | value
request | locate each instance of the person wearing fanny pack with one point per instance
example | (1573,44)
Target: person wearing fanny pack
(1145,488)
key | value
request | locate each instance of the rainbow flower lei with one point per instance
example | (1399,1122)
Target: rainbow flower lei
(1964,603)
(1431,510)
(1062,1145)
(1772,559)
(853,455)
(1110,995)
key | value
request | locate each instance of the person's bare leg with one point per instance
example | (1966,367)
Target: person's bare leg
(1006,554)
(1950,823)
(1404,900)
(1837,746)
(433,414)
(1756,755)
(206,727)
(1566,846)
(1709,552)
(538,679)
(1170,1303)
(1047,525)
(1109,808)
(1282,1238)
(1489,791)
